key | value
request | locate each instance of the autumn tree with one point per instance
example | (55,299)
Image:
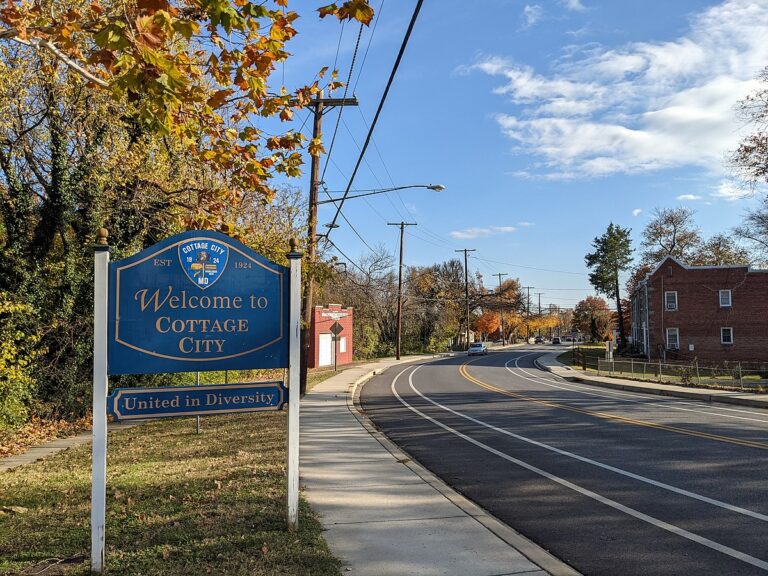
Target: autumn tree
(487,323)
(147,116)
(592,316)
(612,255)
(720,250)
(198,72)
(671,232)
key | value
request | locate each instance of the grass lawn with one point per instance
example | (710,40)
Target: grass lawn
(177,503)
(591,350)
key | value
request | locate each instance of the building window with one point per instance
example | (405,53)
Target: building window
(670,300)
(725,298)
(342,344)
(673,338)
(726,335)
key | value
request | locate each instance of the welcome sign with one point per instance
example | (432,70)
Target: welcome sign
(197,301)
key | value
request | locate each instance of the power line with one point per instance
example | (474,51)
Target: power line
(531,267)
(341,108)
(380,107)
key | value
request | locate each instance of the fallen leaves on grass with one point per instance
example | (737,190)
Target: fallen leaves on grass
(39,431)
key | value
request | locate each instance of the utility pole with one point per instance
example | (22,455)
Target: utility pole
(527,311)
(501,308)
(539,295)
(318,107)
(466,285)
(402,226)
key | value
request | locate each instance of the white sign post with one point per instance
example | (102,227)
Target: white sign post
(100,384)
(294,391)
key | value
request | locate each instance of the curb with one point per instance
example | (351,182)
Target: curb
(627,387)
(535,553)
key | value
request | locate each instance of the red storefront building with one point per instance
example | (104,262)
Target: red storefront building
(714,313)
(325,348)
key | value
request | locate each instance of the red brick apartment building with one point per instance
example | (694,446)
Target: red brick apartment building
(324,349)
(713,313)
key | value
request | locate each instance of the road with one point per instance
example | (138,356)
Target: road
(611,482)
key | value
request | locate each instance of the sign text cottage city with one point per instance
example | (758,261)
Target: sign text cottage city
(198,301)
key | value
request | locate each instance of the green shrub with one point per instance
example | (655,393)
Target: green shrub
(18,349)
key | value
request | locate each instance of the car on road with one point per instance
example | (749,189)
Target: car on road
(538,340)
(556,340)
(477,349)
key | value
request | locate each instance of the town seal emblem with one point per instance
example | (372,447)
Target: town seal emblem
(203,261)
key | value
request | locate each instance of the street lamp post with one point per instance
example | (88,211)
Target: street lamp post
(314,202)
(373,191)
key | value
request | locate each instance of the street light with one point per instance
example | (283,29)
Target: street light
(372,191)
(312,238)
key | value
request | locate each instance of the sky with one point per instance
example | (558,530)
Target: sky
(544,120)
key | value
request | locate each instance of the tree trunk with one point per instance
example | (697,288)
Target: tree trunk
(620,314)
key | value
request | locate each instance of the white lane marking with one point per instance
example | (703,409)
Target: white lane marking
(665,404)
(588,493)
(669,487)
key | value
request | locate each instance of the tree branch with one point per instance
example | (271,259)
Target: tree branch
(50,46)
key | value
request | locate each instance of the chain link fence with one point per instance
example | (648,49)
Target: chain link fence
(747,376)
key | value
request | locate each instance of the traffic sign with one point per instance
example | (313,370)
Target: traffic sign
(337,328)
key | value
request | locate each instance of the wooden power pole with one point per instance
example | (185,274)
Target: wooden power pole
(501,308)
(318,107)
(402,226)
(466,285)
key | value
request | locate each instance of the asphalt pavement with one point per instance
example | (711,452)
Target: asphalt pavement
(386,515)
(609,481)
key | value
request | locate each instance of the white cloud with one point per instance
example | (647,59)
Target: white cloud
(525,224)
(640,107)
(729,192)
(472,233)
(688,197)
(637,211)
(532,14)
(574,5)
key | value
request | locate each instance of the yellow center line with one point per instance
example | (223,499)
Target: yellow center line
(606,416)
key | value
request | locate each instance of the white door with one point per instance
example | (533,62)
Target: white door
(326,350)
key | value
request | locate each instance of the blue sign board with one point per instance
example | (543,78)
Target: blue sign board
(198,301)
(170,401)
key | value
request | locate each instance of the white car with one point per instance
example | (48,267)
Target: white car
(477,349)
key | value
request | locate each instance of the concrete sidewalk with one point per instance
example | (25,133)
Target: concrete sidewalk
(549,362)
(386,515)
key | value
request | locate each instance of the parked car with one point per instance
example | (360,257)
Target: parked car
(556,340)
(538,340)
(477,349)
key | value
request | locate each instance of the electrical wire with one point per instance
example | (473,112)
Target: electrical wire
(530,267)
(341,108)
(379,109)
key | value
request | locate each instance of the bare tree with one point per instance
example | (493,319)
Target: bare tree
(754,229)
(750,159)
(671,232)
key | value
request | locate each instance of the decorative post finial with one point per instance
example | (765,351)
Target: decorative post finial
(101,237)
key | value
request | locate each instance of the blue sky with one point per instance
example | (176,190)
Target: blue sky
(545,120)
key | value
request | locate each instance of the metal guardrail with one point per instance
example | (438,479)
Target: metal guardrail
(733,374)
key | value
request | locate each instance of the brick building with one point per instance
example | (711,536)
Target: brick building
(713,313)
(324,350)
